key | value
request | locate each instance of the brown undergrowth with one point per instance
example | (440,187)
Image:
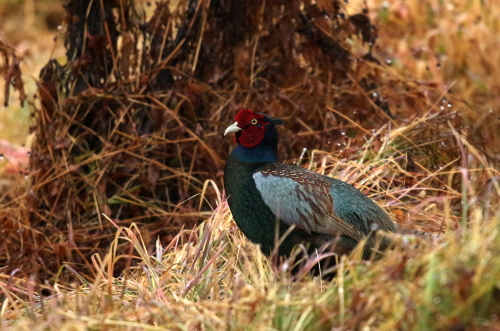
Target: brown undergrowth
(131,125)
(212,278)
(116,227)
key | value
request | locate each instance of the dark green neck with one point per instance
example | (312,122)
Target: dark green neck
(251,214)
(258,154)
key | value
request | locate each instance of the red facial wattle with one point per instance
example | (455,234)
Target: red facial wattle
(251,136)
(252,133)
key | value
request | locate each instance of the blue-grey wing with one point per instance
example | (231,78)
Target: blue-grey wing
(302,198)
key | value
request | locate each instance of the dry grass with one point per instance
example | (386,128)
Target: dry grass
(431,161)
(31,28)
(453,44)
(212,278)
(130,125)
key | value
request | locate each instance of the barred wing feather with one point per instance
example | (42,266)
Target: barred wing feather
(303,198)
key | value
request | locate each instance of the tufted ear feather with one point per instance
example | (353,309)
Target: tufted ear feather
(274,120)
(277,121)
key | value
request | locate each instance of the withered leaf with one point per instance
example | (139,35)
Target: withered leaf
(62,143)
(362,25)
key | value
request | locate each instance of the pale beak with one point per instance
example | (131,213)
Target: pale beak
(233,128)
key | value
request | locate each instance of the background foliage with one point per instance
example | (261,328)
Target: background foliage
(399,97)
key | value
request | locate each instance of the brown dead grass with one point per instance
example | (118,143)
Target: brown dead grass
(212,278)
(132,129)
(453,44)
(394,131)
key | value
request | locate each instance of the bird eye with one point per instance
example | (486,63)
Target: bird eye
(253,121)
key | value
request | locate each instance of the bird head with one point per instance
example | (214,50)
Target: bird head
(251,128)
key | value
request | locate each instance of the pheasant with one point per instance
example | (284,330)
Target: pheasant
(323,210)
